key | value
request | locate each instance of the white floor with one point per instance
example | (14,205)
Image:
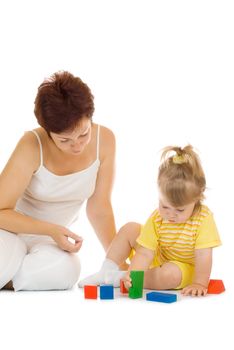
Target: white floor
(65,320)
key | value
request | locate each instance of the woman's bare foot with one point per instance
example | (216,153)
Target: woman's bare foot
(8,286)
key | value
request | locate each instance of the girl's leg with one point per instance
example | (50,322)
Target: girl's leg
(12,254)
(46,267)
(167,276)
(123,243)
(118,252)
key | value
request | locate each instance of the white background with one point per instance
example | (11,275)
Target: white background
(162,73)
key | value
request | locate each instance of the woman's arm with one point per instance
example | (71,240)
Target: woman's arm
(99,208)
(14,179)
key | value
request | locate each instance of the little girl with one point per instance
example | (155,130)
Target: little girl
(174,247)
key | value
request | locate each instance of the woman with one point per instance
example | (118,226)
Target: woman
(53,170)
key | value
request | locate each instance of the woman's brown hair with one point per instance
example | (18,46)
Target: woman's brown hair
(62,101)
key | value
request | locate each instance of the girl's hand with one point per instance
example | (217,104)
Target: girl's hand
(195,289)
(127,280)
(61,236)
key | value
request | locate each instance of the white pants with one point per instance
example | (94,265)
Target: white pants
(34,262)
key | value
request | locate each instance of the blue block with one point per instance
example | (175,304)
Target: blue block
(106,291)
(161,297)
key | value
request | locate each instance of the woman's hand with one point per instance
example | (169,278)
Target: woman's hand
(61,236)
(195,289)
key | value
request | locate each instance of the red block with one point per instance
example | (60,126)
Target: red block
(122,287)
(215,287)
(90,292)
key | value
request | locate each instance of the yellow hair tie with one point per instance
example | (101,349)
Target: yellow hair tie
(178,159)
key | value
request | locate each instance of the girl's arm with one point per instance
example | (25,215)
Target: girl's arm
(99,207)
(203,264)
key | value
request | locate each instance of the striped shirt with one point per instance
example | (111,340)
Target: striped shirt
(178,241)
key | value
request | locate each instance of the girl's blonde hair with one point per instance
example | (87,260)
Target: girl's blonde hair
(181,178)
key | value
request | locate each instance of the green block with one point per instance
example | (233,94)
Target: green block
(136,291)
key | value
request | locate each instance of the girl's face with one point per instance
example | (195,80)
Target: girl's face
(74,142)
(172,214)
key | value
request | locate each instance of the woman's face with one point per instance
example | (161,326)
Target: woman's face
(74,142)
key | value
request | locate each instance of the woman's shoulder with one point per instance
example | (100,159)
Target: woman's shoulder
(106,134)
(107,141)
(28,147)
(29,141)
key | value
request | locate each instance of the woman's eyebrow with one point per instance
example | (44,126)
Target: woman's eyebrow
(68,138)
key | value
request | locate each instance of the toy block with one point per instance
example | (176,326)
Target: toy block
(106,291)
(90,292)
(216,287)
(161,297)
(136,291)
(123,289)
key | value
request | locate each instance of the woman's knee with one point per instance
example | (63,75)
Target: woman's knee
(69,268)
(73,268)
(48,268)
(12,254)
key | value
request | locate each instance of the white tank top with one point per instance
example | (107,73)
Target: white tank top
(58,199)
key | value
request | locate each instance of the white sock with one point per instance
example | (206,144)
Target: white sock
(99,277)
(114,277)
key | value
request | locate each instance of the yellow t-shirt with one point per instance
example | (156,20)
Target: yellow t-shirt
(172,241)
